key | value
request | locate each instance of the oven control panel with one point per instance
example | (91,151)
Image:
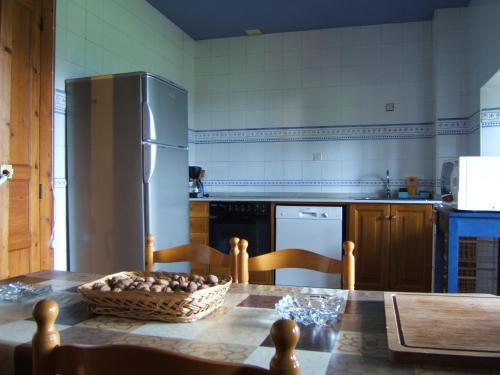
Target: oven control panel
(240,208)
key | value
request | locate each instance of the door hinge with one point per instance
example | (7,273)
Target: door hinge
(40,191)
(40,25)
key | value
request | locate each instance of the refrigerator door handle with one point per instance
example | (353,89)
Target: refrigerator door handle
(149,161)
(148,121)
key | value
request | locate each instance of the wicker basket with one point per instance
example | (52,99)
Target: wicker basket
(175,307)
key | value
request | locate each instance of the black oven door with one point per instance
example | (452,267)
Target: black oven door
(255,229)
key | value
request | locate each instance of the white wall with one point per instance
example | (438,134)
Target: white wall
(264,105)
(490,117)
(456,121)
(102,37)
(466,47)
(484,40)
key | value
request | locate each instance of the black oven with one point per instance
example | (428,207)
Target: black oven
(248,220)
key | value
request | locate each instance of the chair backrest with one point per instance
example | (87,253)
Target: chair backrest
(299,258)
(50,357)
(192,252)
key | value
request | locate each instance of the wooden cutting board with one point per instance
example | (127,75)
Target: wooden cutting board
(443,329)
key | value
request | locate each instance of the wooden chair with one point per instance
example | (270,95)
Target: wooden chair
(298,258)
(50,357)
(192,252)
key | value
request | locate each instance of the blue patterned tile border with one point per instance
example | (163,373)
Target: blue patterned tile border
(427,183)
(490,117)
(313,133)
(458,125)
(60,102)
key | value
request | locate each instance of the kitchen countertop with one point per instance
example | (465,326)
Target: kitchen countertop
(311,197)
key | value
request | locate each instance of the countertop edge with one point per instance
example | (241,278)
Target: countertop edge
(317,200)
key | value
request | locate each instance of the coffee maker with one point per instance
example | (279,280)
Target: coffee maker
(196,189)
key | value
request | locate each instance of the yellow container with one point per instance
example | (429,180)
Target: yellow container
(412,185)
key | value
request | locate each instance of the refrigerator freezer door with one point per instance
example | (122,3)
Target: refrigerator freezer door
(164,113)
(167,199)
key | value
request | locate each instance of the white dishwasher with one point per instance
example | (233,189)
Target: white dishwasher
(314,228)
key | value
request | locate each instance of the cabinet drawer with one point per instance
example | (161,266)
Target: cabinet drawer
(198,209)
(198,224)
(201,238)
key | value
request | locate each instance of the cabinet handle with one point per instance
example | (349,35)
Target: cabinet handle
(393,217)
(387,217)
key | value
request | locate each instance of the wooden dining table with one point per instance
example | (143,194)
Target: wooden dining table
(238,331)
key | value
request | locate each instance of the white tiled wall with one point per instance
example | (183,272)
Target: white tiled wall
(261,107)
(102,37)
(466,56)
(490,117)
(264,105)
(456,122)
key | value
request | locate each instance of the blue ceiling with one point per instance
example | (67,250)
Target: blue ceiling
(206,19)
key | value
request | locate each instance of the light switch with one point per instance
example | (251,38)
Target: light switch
(389,107)
(317,156)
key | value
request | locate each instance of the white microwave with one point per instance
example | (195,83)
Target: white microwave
(475,183)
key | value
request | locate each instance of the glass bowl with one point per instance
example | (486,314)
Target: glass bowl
(18,291)
(310,309)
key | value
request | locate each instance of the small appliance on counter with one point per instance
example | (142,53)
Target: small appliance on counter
(473,183)
(196,189)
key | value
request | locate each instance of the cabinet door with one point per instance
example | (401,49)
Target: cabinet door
(369,229)
(411,248)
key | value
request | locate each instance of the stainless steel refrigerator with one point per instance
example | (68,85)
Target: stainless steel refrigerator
(127,170)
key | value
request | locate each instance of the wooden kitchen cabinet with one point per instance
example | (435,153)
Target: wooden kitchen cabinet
(198,231)
(393,246)
(411,248)
(370,231)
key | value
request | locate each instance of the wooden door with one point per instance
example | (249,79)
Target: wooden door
(411,248)
(26,118)
(369,228)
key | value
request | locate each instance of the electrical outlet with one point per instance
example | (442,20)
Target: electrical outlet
(389,107)
(317,156)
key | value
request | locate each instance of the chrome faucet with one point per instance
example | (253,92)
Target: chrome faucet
(387,182)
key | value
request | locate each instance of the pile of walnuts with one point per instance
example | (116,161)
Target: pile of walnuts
(163,284)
